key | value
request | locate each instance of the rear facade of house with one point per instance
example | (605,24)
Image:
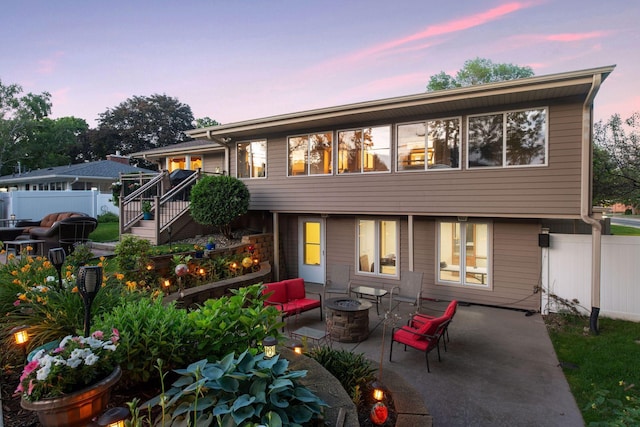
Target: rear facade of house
(456,184)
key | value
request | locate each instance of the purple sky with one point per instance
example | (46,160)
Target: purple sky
(239,60)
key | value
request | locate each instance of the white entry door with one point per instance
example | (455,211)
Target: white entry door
(311,249)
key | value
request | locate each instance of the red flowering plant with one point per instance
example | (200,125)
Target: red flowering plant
(75,363)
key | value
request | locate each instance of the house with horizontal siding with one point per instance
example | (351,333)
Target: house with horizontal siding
(457,184)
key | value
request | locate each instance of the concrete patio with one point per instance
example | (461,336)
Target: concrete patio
(500,369)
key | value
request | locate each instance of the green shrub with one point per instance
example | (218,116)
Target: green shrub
(353,370)
(218,200)
(149,330)
(233,323)
(243,391)
(108,217)
(132,257)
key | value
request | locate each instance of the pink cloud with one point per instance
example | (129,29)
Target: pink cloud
(574,37)
(48,65)
(449,27)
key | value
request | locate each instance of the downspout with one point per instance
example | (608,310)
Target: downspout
(585,202)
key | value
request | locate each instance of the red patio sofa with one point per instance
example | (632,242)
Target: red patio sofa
(290,297)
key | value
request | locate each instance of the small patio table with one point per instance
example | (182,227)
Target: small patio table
(370,291)
(315,335)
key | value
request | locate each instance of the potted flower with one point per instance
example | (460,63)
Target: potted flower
(199,250)
(71,383)
(211,244)
(146,209)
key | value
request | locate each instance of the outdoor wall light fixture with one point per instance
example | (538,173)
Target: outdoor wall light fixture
(89,283)
(12,217)
(269,344)
(57,257)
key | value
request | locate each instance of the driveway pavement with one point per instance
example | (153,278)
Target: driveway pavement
(500,368)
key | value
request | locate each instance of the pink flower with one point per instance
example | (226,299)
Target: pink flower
(98,335)
(115,335)
(16,302)
(30,367)
(31,386)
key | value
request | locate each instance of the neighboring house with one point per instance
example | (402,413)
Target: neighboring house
(459,184)
(81,176)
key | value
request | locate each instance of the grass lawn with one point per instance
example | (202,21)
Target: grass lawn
(621,230)
(106,232)
(601,369)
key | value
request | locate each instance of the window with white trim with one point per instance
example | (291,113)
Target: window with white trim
(431,144)
(509,139)
(364,150)
(377,247)
(251,159)
(310,154)
(464,253)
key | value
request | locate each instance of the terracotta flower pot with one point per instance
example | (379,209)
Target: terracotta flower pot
(74,409)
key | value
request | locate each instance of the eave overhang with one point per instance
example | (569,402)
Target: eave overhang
(571,85)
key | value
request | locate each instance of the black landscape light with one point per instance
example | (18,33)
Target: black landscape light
(57,257)
(89,283)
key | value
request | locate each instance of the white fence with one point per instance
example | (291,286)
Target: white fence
(568,274)
(37,204)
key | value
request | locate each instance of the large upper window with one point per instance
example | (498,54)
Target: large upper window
(364,150)
(433,144)
(516,138)
(377,247)
(310,154)
(252,159)
(464,253)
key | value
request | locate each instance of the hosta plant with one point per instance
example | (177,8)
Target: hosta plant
(243,391)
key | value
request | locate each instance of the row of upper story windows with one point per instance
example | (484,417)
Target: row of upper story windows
(516,138)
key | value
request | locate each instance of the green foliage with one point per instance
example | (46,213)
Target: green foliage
(625,412)
(616,163)
(132,256)
(149,330)
(353,370)
(141,123)
(621,230)
(146,206)
(218,200)
(108,217)
(477,71)
(80,256)
(233,323)
(610,355)
(20,117)
(30,296)
(239,392)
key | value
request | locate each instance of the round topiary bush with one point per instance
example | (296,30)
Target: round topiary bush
(218,200)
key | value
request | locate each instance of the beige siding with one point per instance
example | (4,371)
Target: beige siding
(516,260)
(213,161)
(546,191)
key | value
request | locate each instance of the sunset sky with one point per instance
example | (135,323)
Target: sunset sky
(245,59)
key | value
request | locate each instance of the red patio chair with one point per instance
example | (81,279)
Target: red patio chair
(424,338)
(419,318)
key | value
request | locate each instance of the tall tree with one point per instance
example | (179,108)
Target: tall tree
(19,118)
(478,71)
(617,160)
(206,122)
(142,123)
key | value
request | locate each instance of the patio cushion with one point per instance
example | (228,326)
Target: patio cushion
(295,288)
(300,305)
(279,290)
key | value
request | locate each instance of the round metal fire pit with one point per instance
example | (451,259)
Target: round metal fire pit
(348,319)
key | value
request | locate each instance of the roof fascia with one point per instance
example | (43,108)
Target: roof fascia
(478,91)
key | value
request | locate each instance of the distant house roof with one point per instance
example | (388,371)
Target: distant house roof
(99,170)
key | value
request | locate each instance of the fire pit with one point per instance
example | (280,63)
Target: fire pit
(348,319)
